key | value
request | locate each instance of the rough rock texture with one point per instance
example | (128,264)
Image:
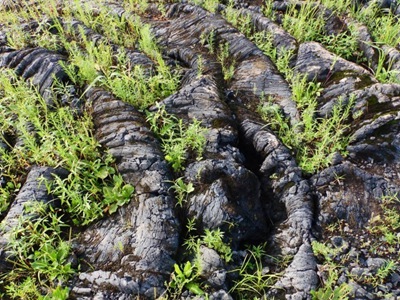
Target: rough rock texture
(146,231)
(39,65)
(134,57)
(247,183)
(281,40)
(34,190)
(191,22)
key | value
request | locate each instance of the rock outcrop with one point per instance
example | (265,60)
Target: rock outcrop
(248,183)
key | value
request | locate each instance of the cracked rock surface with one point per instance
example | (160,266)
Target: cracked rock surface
(247,183)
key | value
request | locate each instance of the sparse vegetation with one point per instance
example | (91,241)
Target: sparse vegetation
(39,133)
(227,64)
(53,137)
(330,290)
(188,275)
(177,138)
(255,277)
(314,140)
(386,226)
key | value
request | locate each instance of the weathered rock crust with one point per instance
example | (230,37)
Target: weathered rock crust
(247,183)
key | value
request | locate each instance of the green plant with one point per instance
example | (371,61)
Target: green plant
(386,29)
(184,278)
(263,40)
(305,24)
(282,63)
(214,239)
(26,289)
(208,40)
(255,280)
(188,275)
(53,136)
(200,66)
(268,10)
(97,64)
(383,27)
(7,192)
(314,140)
(297,21)
(117,194)
(325,252)
(387,224)
(87,66)
(138,6)
(182,190)
(210,5)
(329,289)
(239,20)
(344,44)
(177,138)
(386,74)
(231,14)
(39,253)
(227,64)
(388,268)
(117,29)
(338,6)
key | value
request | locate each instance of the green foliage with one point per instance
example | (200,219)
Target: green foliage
(329,289)
(255,280)
(184,277)
(384,72)
(388,268)
(384,27)
(338,6)
(187,276)
(227,64)
(210,5)
(240,21)
(325,252)
(263,40)
(54,137)
(40,254)
(314,140)
(97,64)
(136,87)
(177,138)
(182,190)
(309,138)
(387,224)
(267,10)
(138,6)
(58,138)
(199,66)
(7,192)
(25,289)
(117,195)
(208,40)
(343,44)
(305,24)
(214,239)
(86,66)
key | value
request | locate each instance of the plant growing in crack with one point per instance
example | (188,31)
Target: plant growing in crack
(227,64)
(255,278)
(329,290)
(177,138)
(182,190)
